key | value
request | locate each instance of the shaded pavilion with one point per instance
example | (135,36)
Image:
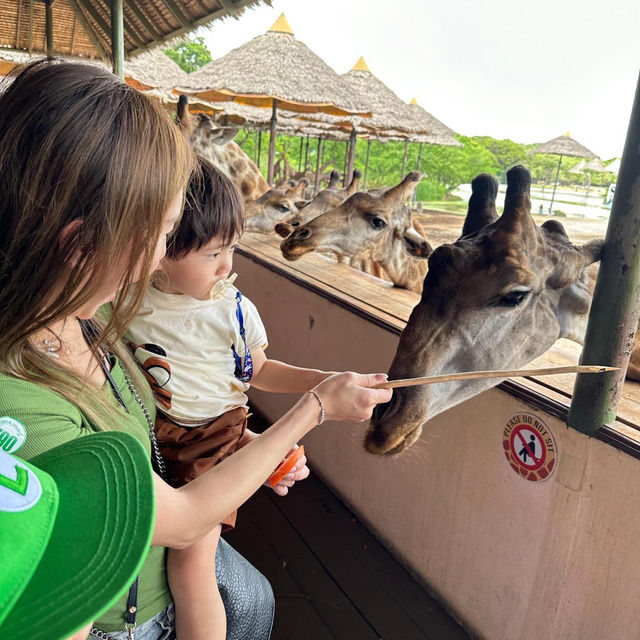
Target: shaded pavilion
(275,71)
(107,30)
(563,146)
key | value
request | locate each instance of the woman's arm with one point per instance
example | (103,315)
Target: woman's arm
(184,515)
(280,377)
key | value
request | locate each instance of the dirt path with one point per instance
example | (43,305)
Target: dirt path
(444,227)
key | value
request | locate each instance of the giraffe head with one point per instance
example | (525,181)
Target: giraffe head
(216,144)
(274,206)
(326,199)
(363,226)
(496,299)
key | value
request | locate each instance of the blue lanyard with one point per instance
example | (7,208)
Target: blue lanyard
(243,370)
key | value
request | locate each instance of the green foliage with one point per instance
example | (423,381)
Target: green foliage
(445,167)
(190,54)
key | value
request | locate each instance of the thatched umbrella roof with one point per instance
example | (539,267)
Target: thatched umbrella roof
(389,111)
(578,168)
(596,166)
(565,146)
(613,167)
(440,133)
(81,27)
(275,66)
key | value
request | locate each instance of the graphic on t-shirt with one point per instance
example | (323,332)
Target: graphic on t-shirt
(156,369)
(12,434)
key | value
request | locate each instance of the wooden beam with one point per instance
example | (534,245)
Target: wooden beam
(155,36)
(88,30)
(177,13)
(196,23)
(73,33)
(100,21)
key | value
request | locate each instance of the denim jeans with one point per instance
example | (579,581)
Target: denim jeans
(247,596)
(160,627)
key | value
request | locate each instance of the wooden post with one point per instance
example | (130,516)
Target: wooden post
(259,147)
(306,154)
(404,158)
(315,186)
(555,184)
(117,38)
(344,166)
(272,142)
(255,147)
(300,153)
(366,165)
(48,9)
(419,157)
(352,156)
(616,306)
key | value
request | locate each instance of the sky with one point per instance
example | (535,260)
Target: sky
(528,71)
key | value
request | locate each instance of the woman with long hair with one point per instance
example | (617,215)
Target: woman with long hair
(92,179)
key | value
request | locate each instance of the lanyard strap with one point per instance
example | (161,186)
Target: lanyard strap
(90,335)
(243,370)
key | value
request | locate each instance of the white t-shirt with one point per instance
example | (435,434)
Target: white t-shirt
(197,336)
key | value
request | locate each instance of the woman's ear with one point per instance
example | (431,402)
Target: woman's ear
(67,239)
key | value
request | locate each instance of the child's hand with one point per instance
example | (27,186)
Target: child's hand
(299,472)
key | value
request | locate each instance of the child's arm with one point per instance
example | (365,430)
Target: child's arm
(280,377)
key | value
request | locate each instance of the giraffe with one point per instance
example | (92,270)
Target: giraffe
(263,214)
(216,145)
(378,227)
(495,299)
(326,199)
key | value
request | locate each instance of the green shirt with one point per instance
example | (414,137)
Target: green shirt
(51,420)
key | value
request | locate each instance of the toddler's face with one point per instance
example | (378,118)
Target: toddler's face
(195,274)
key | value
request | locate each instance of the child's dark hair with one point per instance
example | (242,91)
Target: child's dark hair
(213,207)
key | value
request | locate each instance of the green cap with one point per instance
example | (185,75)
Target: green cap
(75,527)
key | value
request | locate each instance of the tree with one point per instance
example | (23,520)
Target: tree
(190,54)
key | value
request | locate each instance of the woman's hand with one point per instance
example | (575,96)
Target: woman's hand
(348,396)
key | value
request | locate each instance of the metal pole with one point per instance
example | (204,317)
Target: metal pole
(306,154)
(117,38)
(352,154)
(272,142)
(300,154)
(48,9)
(404,157)
(315,186)
(259,147)
(555,184)
(366,165)
(615,309)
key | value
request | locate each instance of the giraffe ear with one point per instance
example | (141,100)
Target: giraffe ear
(573,261)
(301,204)
(482,204)
(223,136)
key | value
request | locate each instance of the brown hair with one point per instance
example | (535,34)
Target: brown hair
(77,144)
(213,207)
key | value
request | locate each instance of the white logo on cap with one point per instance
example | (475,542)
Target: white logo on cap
(20,488)
(12,434)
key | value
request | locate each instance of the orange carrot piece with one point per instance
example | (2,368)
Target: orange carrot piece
(286,466)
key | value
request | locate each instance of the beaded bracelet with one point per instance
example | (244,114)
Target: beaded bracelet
(317,397)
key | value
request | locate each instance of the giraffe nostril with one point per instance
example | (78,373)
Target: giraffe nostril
(302,233)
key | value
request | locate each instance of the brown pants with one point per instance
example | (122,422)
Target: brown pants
(189,452)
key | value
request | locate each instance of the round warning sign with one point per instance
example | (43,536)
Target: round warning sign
(529,447)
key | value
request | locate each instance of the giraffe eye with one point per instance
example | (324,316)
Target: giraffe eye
(512,299)
(282,208)
(377,223)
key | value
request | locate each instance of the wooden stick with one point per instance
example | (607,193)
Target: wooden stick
(471,375)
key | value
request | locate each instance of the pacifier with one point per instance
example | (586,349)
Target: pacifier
(221,287)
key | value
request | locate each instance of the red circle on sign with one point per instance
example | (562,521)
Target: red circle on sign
(518,442)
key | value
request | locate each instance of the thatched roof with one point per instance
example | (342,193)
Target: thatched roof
(565,146)
(274,66)
(614,167)
(389,111)
(578,168)
(596,166)
(440,133)
(81,27)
